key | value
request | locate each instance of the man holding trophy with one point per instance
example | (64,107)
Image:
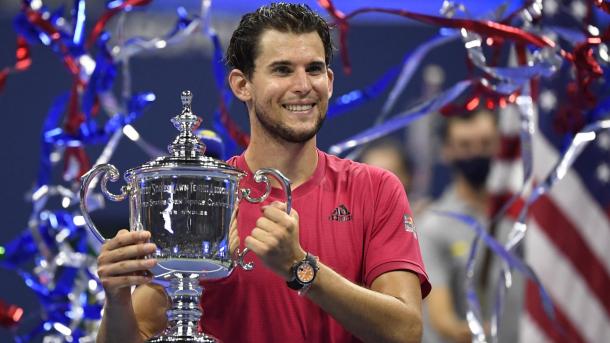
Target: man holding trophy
(342,266)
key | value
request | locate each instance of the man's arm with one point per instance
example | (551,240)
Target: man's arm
(388,312)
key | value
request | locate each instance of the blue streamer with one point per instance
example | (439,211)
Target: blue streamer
(89,133)
(508,257)
(410,64)
(357,97)
(78,25)
(102,78)
(402,119)
(226,96)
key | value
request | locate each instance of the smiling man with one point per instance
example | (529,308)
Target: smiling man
(342,267)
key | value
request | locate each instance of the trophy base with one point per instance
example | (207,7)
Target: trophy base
(200,338)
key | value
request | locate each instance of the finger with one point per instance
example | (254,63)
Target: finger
(126,253)
(279,205)
(117,282)
(122,232)
(233,244)
(270,226)
(256,246)
(264,237)
(234,214)
(124,239)
(283,207)
(278,216)
(126,267)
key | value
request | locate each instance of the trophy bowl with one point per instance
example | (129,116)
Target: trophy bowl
(187,201)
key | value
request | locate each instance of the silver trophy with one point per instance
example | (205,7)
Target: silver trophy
(186,201)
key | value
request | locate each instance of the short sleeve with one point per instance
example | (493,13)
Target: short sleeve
(391,240)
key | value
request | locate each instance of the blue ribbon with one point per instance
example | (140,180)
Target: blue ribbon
(403,119)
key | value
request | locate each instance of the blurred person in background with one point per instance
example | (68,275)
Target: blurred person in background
(469,142)
(390,154)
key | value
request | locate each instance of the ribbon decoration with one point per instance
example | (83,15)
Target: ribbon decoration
(224,124)
(10,315)
(474,312)
(23,61)
(484,27)
(403,119)
(114,7)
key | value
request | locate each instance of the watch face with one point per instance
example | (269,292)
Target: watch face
(305,273)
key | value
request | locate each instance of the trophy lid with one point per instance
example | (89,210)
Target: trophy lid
(186,152)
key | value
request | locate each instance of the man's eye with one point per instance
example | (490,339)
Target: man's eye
(281,70)
(314,69)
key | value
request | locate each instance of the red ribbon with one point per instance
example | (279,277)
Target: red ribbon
(242,138)
(483,27)
(23,61)
(10,315)
(37,19)
(101,23)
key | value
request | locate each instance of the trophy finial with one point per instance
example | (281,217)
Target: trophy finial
(187,97)
(186,145)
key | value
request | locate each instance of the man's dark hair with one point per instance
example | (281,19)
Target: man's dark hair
(283,17)
(445,123)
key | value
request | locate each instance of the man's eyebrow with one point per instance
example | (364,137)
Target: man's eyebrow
(317,64)
(284,63)
(279,64)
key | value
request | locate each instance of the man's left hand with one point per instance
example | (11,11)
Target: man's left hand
(275,239)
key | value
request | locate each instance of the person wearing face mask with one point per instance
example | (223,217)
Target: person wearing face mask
(469,142)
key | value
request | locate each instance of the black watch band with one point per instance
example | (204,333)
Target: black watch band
(311,263)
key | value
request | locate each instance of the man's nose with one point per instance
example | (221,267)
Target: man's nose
(301,82)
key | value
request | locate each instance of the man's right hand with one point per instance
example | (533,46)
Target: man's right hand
(120,264)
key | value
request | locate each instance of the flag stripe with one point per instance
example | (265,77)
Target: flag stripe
(575,203)
(505,176)
(565,284)
(567,239)
(531,332)
(533,304)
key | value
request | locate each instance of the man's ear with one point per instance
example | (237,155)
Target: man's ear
(331,78)
(239,85)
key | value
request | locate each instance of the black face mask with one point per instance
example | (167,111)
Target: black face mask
(474,170)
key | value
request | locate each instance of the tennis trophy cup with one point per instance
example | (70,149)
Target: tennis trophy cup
(186,201)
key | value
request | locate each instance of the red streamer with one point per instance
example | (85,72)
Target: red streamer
(483,27)
(10,315)
(242,138)
(37,19)
(24,61)
(101,23)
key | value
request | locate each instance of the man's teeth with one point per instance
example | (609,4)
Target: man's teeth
(298,108)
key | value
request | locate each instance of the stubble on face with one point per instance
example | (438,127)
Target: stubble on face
(278,129)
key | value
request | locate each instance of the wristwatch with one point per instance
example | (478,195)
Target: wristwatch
(303,273)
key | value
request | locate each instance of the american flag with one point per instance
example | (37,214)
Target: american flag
(568,238)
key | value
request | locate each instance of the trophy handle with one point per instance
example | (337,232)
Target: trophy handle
(261,176)
(110,173)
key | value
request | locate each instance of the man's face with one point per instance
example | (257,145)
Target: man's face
(471,138)
(291,85)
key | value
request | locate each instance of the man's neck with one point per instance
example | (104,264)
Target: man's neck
(297,161)
(477,199)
